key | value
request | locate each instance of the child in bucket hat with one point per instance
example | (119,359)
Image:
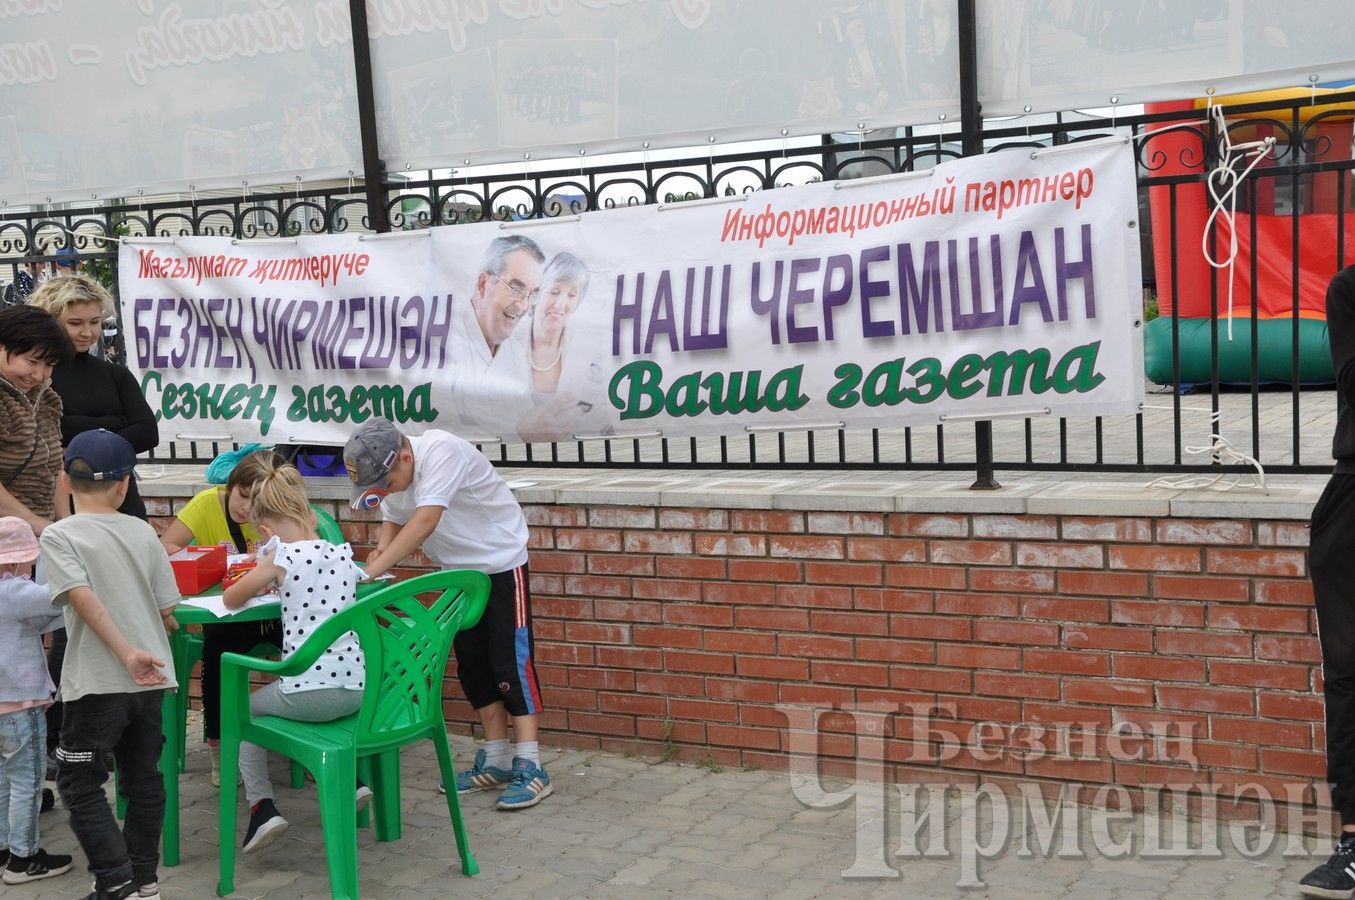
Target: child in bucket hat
(26,613)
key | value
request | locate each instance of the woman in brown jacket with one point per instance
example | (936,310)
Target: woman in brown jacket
(32,342)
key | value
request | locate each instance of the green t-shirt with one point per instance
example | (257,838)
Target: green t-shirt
(205,517)
(120,559)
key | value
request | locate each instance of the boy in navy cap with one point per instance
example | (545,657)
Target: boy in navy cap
(115,583)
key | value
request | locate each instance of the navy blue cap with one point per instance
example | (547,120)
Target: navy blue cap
(108,455)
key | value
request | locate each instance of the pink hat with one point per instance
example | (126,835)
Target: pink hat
(17,542)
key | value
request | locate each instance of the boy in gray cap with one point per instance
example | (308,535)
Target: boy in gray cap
(438,492)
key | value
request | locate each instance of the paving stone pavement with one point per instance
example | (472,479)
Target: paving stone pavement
(626,827)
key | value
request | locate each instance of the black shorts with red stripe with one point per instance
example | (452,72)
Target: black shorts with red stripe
(494,660)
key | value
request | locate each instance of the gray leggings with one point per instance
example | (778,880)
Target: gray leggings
(317,705)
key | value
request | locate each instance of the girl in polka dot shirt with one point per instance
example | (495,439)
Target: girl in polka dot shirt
(315,579)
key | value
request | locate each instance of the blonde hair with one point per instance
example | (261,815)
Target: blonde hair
(58,295)
(280,495)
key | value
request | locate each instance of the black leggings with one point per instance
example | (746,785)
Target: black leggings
(228,637)
(1331,560)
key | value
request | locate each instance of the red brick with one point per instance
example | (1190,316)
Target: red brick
(1107,637)
(627,611)
(814,645)
(575,654)
(594,723)
(978,656)
(740,642)
(773,619)
(1282,534)
(622,517)
(596,633)
(1206,699)
(587,539)
(741,689)
(1203,643)
(666,589)
(1064,609)
(1262,674)
(807,546)
(711,616)
(710,663)
(1157,612)
(927,525)
(786,670)
(629,657)
(930,678)
(1253,731)
(677,543)
(690,567)
(620,564)
(1288,593)
(1090,528)
(973,604)
(633,704)
(815,694)
(1257,562)
(1104,584)
(882,549)
(895,650)
(892,600)
(669,684)
(545,584)
(680,732)
(749,593)
(1017,580)
(1203,531)
(1068,715)
(873,675)
(1007,684)
(1063,555)
(1311,764)
(941,628)
(549,606)
(916,576)
(856,623)
(972,553)
(566,563)
(561,516)
(1107,691)
(866,574)
(548,629)
(704,710)
(1016,633)
(741,736)
(815,595)
(1251,618)
(667,636)
(997,526)
(1288,649)
(1159,668)
(1304,707)
(1076,770)
(597,586)
(1191,587)
(855,523)
(765,521)
(730,545)
(1155,559)
(783,570)
(540,539)
(694,519)
(605,679)
(1066,662)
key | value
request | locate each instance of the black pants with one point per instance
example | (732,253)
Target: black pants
(128,726)
(56,655)
(494,659)
(228,637)
(1331,560)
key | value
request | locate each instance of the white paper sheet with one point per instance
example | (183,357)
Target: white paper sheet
(217,606)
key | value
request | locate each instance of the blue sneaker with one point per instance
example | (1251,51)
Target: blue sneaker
(530,786)
(480,777)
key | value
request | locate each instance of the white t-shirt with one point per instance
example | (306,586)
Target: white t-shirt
(490,392)
(321,580)
(482,527)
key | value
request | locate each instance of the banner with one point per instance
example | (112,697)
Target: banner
(999,285)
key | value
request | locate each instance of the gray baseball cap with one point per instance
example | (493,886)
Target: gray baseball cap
(370,454)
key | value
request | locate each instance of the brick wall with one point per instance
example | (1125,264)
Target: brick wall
(1050,648)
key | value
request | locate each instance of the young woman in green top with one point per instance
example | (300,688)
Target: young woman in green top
(220,515)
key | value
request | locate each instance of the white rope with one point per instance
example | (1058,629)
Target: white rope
(1224,174)
(1221,452)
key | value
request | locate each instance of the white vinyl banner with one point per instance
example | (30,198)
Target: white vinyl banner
(1005,284)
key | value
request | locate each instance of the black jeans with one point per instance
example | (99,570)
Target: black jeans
(1332,564)
(128,725)
(228,637)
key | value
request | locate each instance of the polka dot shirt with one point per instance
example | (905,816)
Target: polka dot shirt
(320,579)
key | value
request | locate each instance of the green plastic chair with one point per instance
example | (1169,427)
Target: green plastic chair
(328,530)
(405,645)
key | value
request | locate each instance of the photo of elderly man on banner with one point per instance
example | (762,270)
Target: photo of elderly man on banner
(1005,284)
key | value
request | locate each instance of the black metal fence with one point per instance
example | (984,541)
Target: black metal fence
(1218,425)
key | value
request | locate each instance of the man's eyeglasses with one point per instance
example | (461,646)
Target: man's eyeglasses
(527,297)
